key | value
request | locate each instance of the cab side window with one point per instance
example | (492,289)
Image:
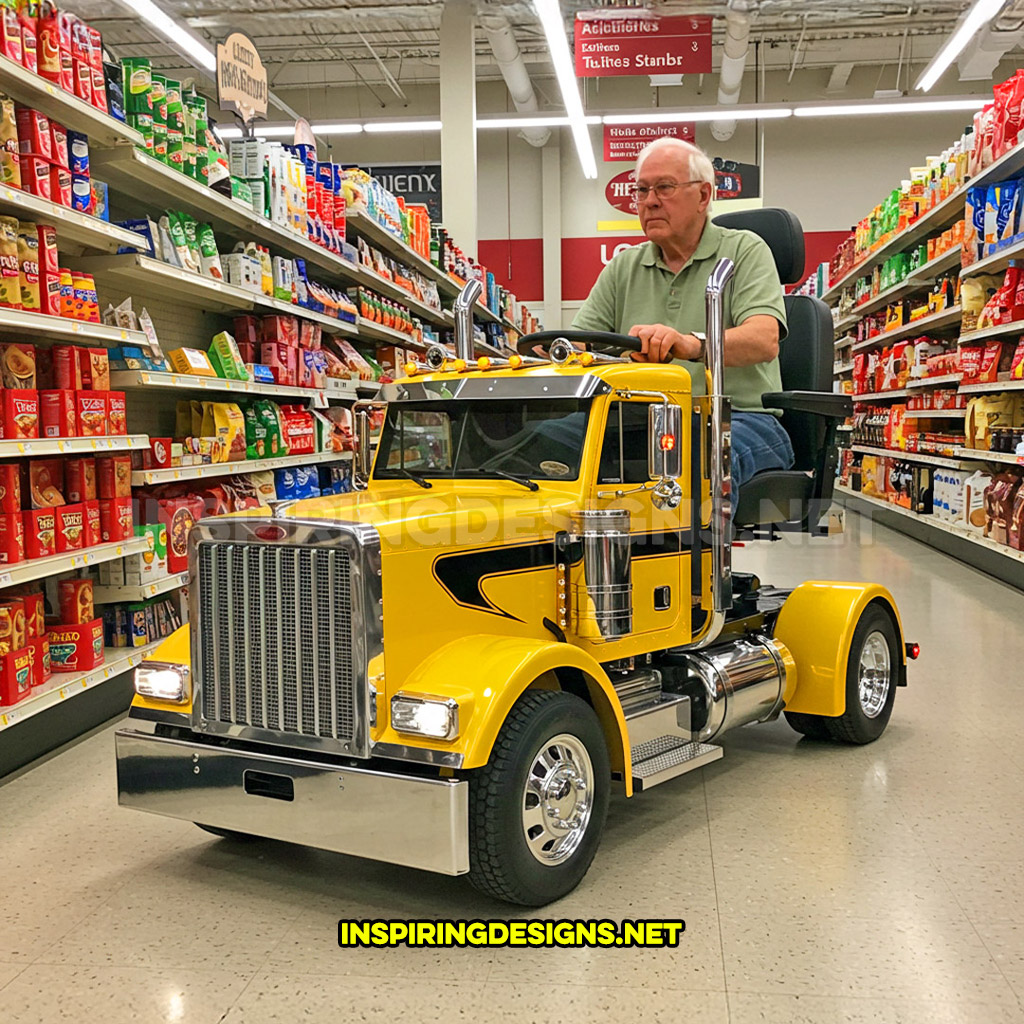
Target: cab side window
(624,451)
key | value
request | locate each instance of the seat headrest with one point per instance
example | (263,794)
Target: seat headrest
(781,230)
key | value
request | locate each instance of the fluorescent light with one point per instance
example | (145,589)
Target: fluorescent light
(899,107)
(402,126)
(553,121)
(337,129)
(174,31)
(266,131)
(228,133)
(972,22)
(707,114)
(550,15)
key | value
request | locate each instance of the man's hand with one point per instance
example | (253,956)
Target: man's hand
(662,343)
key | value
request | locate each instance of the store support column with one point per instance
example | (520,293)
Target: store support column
(551,221)
(458,117)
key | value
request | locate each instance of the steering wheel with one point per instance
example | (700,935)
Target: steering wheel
(605,342)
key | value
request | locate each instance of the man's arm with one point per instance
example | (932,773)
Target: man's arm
(756,340)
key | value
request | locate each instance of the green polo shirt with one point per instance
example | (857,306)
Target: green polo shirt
(637,288)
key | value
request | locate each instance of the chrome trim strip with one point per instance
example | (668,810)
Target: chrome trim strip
(585,385)
(462,307)
(359,811)
(421,755)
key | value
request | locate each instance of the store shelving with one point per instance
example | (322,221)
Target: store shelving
(364,225)
(139,592)
(983,456)
(924,457)
(935,414)
(993,263)
(81,228)
(842,367)
(938,218)
(39,326)
(143,477)
(72,445)
(35,91)
(933,322)
(62,685)
(945,379)
(844,323)
(369,329)
(40,568)
(984,389)
(881,396)
(439,317)
(998,331)
(915,281)
(128,380)
(349,390)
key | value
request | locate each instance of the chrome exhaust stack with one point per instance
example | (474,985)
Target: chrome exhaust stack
(463,308)
(601,584)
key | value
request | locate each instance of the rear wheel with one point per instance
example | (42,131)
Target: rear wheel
(537,808)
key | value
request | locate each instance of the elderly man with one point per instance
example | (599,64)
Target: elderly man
(655,292)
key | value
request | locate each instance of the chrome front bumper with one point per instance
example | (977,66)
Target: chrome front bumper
(401,819)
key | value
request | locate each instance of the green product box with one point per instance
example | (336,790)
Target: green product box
(160,142)
(153,563)
(158,95)
(226,359)
(175,149)
(240,191)
(137,76)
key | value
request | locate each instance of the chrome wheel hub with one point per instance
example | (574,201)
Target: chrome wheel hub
(874,674)
(558,799)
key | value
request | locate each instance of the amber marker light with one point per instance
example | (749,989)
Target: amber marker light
(586,358)
(411,369)
(459,364)
(483,363)
(515,361)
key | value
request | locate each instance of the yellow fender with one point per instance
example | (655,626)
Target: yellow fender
(817,623)
(174,650)
(486,674)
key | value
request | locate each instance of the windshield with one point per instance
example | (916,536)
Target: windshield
(540,438)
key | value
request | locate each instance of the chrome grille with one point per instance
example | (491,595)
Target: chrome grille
(275,639)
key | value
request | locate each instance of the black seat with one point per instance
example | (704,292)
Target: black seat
(797,498)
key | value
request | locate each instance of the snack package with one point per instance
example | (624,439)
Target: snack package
(13,628)
(40,527)
(77,648)
(91,413)
(43,482)
(255,434)
(18,363)
(114,476)
(80,482)
(20,414)
(12,538)
(15,677)
(269,413)
(75,597)
(10,274)
(117,414)
(224,420)
(93,524)
(28,267)
(69,529)
(190,360)
(209,257)
(226,359)
(10,488)
(116,520)
(95,369)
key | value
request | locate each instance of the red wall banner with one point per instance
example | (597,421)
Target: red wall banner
(624,141)
(642,46)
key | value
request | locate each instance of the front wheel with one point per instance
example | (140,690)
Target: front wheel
(537,808)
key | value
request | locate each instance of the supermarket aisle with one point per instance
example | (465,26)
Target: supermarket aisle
(818,883)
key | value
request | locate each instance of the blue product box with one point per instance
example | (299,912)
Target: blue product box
(259,373)
(78,153)
(145,227)
(101,200)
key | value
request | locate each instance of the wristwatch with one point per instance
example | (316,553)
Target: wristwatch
(703,339)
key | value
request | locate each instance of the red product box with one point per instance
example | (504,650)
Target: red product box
(29,59)
(49,262)
(248,352)
(158,454)
(93,524)
(67,31)
(76,648)
(114,476)
(117,414)
(116,522)
(95,368)
(179,515)
(91,413)
(298,429)
(83,80)
(35,612)
(275,356)
(57,413)
(60,185)
(40,649)
(10,488)
(80,479)
(35,176)
(283,330)
(59,144)
(34,133)
(49,44)
(21,413)
(12,538)
(15,676)
(67,372)
(40,532)
(10,35)
(49,294)
(69,527)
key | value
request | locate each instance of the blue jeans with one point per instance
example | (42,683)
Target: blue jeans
(758,443)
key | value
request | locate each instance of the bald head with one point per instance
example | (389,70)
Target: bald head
(694,164)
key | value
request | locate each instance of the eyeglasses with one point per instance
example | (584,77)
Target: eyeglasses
(662,190)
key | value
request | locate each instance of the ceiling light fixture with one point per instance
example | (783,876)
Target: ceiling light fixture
(970,24)
(402,126)
(174,31)
(550,15)
(707,114)
(531,122)
(336,129)
(900,107)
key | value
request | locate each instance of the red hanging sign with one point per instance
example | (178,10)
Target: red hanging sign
(642,46)
(624,141)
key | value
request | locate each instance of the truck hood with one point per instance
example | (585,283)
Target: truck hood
(475,515)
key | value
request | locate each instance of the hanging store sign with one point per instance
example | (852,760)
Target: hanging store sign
(624,141)
(642,46)
(418,183)
(241,78)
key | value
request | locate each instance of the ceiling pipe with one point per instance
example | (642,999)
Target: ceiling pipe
(513,69)
(734,62)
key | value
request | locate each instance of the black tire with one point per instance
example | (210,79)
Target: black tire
(855,725)
(501,862)
(226,833)
(814,727)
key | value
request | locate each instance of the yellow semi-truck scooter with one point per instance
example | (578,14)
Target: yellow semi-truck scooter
(530,600)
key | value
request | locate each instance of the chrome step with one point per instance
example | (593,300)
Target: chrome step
(670,760)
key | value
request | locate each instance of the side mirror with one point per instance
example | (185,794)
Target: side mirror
(665,439)
(665,453)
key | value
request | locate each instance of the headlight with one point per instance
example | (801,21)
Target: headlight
(436,717)
(159,680)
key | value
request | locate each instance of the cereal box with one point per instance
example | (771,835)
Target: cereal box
(93,524)
(70,527)
(12,538)
(91,413)
(21,414)
(76,648)
(40,532)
